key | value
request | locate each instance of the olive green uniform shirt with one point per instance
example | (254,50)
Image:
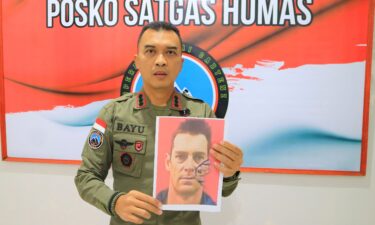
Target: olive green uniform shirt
(127,145)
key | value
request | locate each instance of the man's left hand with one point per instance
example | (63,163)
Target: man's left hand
(230,158)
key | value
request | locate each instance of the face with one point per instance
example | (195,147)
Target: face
(159,59)
(187,153)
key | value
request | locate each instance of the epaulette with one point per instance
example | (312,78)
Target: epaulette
(191,98)
(124,97)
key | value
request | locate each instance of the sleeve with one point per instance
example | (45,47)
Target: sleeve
(229,183)
(96,161)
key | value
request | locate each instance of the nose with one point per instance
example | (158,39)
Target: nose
(190,165)
(160,61)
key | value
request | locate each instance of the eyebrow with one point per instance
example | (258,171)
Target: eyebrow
(180,152)
(198,153)
(185,152)
(153,46)
(172,47)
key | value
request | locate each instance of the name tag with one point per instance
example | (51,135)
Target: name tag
(129,128)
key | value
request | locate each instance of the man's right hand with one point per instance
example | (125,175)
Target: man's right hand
(136,206)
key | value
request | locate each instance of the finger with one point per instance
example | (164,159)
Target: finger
(133,219)
(225,170)
(223,159)
(232,151)
(147,206)
(218,149)
(235,149)
(147,198)
(139,212)
(229,162)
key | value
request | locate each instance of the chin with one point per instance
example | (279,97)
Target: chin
(187,193)
(162,86)
(188,190)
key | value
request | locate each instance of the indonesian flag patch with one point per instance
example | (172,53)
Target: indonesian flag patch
(100,125)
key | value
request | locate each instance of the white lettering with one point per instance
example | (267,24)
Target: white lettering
(81,19)
(208,18)
(267,11)
(67,13)
(227,10)
(248,12)
(94,13)
(287,13)
(53,10)
(132,18)
(161,9)
(110,12)
(146,13)
(306,17)
(176,10)
(192,12)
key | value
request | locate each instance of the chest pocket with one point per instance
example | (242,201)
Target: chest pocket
(129,153)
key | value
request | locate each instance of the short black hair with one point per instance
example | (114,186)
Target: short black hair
(160,25)
(194,127)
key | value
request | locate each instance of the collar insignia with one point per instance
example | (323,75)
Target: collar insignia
(141,101)
(176,102)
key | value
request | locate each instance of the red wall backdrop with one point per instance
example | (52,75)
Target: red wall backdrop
(44,67)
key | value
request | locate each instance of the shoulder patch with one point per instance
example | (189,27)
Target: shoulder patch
(124,97)
(95,139)
(191,98)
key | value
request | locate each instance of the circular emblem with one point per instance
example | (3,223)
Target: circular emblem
(201,77)
(126,160)
(95,139)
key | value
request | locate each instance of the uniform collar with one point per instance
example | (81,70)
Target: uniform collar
(176,101)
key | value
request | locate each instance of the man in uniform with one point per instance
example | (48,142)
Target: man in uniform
(123,137)
(188,164)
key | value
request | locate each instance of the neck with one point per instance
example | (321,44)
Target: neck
(158,97)
(175,198)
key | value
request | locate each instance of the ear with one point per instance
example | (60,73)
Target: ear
(182,62)
(167,162)
(136,61)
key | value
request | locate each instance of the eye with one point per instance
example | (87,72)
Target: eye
(181,157)
(171,52)
(150,51)
(198,158)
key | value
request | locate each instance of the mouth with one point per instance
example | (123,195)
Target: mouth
(160,74)
(187,180)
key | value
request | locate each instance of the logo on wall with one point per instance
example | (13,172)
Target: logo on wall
(201,77)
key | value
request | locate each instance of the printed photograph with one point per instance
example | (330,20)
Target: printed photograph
(184,176)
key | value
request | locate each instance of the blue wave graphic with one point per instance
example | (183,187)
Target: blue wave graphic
(76,117)
(304,148)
